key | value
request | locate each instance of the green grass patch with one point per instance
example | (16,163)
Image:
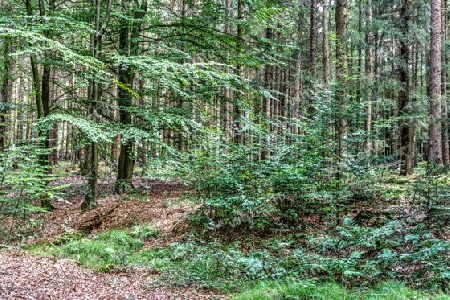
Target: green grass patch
(312,289)
(101,252)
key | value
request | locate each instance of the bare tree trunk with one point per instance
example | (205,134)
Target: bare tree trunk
(435,143)
(406,149)
(312,53)
(298,84)
(341,30)
(5,93)
(326,46)
(266,105)
(445,101)
(238,130)
(226,108)
(369,75)
(376,106)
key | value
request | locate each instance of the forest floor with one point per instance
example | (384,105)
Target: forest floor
(169,264)
(27,276)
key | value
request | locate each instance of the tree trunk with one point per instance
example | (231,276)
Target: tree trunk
(43,134)
(435,142)
(128,45)
(312,53)
(326,46)
(91,197)
(226,107)
(406,149)
(341,125)
(298,84)
(5,93)
(238,126)
(445,101)
(369,76)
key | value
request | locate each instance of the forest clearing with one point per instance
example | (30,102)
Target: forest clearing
(224,149)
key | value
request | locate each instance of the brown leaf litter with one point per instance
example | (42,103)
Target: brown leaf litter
(26,276)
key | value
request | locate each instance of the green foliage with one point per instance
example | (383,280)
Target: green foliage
(23,182)
(363,255)
(103,252)
(314,289)
(144,232)
(431,193)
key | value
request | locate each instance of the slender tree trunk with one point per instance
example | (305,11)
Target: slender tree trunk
(238,130)
(298,83)
(369,76)
(312,53)
(91,197)
(445,101)
(406,149)
(266,105)
(435,142)
(226,107)
(326,46)
(341,30)
(376,106)
(5,93)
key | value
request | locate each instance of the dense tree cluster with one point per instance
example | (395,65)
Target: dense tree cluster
(124,81)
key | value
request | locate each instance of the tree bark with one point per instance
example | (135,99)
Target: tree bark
(406,148)
(326,46)
(445,102)
(238,126)
(369,78)
(312,53)
(298,83)
(128,45)
(91,197)
(5,93)
(341,62)
(435,111)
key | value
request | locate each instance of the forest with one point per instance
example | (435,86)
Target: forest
(224,149)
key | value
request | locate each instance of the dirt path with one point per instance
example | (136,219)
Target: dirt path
(26,276)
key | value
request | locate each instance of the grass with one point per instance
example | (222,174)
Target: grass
(312,289)
(233,268)
(102,252)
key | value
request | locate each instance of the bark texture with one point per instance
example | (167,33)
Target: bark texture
(435,142)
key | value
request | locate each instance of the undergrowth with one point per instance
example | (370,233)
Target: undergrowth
(312,289)
(355,257)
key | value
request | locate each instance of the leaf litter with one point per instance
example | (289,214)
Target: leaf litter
(27,276)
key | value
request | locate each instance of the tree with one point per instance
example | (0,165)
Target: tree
(128,46)
(341,66)
(435,112)
(369,75)
(406,147)
(93,96)
(5,92)
(326,45)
